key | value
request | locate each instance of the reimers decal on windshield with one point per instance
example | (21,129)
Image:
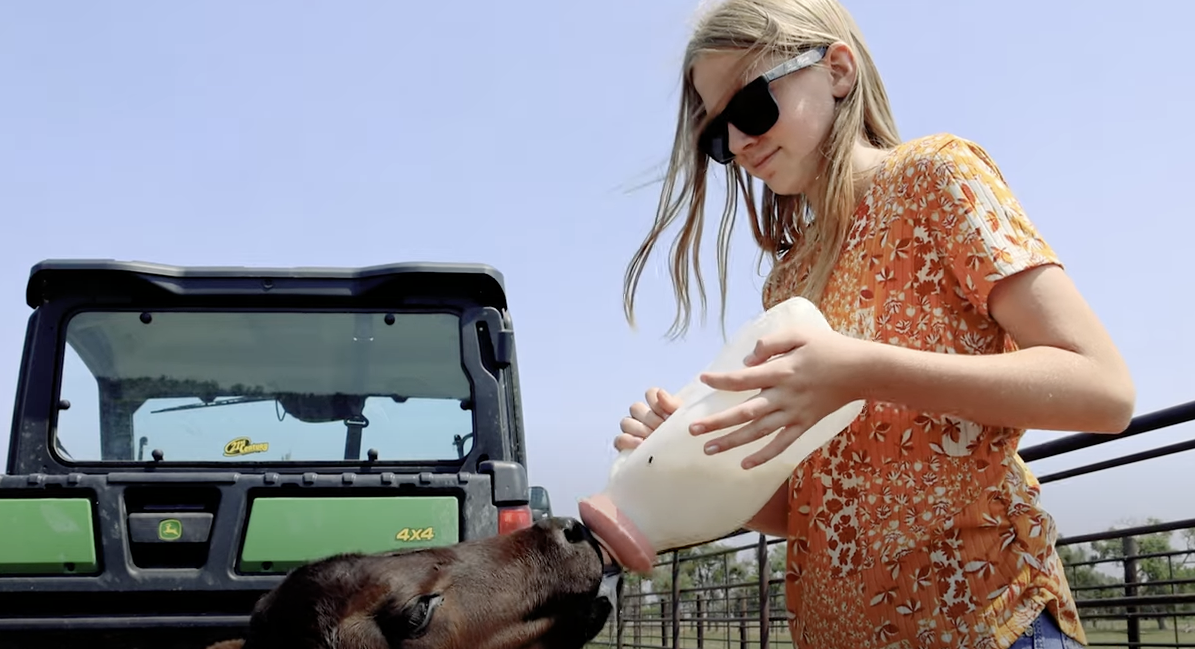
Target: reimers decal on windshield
(243,446)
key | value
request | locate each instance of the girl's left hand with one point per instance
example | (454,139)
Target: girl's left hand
(802,375)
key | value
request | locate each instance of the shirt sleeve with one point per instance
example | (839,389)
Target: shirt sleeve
(981,231)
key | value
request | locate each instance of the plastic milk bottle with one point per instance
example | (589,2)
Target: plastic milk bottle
(668,493)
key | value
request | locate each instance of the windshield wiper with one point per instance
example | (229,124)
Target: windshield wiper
(212,404)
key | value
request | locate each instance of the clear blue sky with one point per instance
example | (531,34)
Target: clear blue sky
(368,132)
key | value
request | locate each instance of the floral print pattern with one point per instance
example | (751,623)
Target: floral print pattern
(912,529)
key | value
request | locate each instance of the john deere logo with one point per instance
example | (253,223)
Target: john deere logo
(170,529)
(242,446)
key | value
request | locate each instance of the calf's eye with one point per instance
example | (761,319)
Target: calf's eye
(419,614)
(401,621)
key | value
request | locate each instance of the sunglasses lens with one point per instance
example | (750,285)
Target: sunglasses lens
(715,142)
(752,110)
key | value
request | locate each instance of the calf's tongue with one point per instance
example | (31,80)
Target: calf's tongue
(616,533)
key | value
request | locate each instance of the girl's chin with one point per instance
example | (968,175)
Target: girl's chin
(781,188)
(786,184)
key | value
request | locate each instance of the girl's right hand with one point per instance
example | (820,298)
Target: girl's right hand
(645,418)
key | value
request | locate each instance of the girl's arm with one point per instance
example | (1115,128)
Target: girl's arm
(1066,374)
(772,518)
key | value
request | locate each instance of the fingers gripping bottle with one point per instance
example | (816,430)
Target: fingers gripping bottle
(667,493)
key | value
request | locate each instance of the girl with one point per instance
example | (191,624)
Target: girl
(917,526)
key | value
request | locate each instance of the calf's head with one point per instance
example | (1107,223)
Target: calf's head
(540,587)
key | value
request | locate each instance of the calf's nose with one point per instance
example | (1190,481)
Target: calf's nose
(574,531)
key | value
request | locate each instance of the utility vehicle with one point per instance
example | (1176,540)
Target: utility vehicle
(184,436)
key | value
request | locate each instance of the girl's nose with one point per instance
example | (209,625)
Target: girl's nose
(738,140)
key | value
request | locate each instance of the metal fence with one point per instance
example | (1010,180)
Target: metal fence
(1135,587)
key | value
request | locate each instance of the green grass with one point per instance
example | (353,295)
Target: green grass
(1150,633)
(717,638)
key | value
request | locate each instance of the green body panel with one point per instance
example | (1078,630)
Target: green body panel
(286,532)
(47,536)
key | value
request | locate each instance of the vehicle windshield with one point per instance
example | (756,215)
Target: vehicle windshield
(268,386)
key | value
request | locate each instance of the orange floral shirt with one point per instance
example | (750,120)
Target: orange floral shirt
(912,529)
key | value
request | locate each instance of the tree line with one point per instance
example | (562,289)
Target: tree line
(1162,563)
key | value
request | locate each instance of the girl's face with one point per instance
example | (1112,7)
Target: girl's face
(788,157)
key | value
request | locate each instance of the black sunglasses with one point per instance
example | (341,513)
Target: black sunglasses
(752,109)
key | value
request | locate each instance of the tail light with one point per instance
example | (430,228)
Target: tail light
(513,518)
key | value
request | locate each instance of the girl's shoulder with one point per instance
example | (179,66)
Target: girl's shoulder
(939,154)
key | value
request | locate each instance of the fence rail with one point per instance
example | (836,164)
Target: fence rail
(1133,587)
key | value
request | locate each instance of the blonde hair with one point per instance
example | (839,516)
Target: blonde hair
(759,29)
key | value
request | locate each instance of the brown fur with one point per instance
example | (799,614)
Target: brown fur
(536,587)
